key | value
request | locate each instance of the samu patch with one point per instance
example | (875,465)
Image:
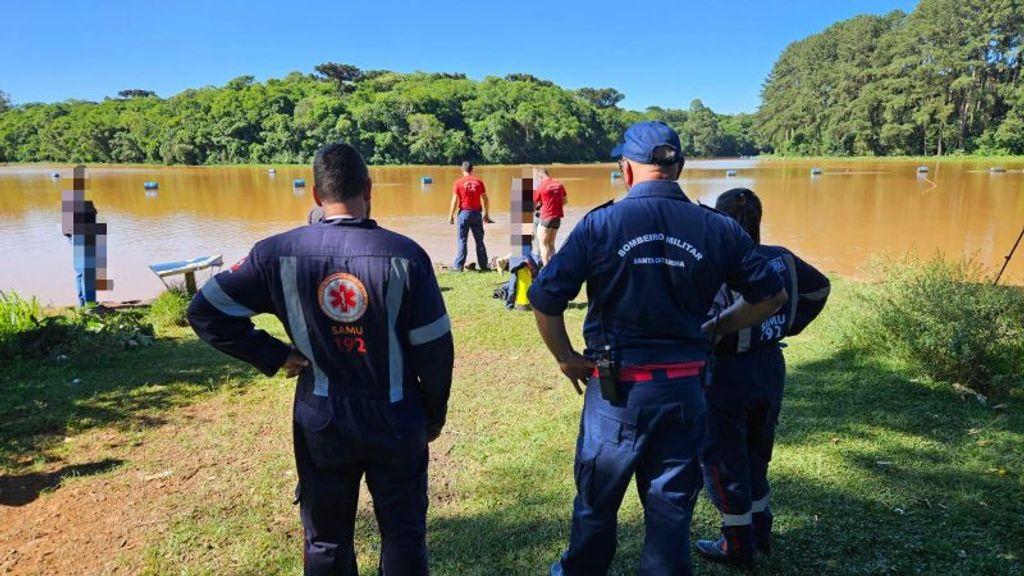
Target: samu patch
(343,297)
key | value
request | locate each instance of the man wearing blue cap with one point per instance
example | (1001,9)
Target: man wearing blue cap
(653,263)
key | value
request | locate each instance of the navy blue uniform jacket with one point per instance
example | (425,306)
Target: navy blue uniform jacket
(808,291)
(652,263)
(360,302)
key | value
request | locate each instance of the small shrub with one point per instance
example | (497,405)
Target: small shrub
(81,331)
(17,315)
(168,309)
(946,320)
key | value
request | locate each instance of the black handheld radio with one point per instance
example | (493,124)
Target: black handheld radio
(608,374)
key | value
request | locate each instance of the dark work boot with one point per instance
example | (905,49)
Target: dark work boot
(718,551)
(763,531)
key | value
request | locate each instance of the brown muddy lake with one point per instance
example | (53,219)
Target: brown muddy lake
(838,221)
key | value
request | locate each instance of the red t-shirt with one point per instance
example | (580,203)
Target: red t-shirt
(551,197)
(469,189)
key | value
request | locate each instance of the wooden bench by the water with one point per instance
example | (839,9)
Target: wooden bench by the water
(186,267)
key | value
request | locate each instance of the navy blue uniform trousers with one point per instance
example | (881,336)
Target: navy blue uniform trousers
(655,431)
(362,435)
(743,404)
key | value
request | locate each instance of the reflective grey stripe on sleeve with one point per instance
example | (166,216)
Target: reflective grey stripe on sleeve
(817,295)
(220,300)
(737,519)
(759,505)
(794,299)
(393,305)
(430,332)
(297,321)
(743,340)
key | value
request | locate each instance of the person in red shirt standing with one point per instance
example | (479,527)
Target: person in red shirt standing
(469,201)
(549,198)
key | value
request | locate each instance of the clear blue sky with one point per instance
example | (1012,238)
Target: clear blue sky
(717,50)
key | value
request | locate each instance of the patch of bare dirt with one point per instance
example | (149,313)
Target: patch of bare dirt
(94,513)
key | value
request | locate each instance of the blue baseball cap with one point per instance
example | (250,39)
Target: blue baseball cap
(642,138)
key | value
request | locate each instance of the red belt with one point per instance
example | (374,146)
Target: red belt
(650,372)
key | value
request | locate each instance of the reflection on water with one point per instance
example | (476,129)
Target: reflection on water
(838,220)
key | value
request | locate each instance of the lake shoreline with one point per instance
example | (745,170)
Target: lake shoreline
(610,163)
(837,220)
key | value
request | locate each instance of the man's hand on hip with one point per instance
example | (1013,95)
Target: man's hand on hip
(577,368)
(294,364)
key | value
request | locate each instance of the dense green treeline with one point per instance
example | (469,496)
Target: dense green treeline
(392,118)
(945,78)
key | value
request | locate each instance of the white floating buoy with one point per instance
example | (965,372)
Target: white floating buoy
(815,171)
(272,172)
(997,170)
(426,180)
(730,173)
(298,183)
(55,175)
(151,185)
(616,175)
(922,169)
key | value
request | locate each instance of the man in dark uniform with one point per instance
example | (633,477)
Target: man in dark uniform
(373,351)
(653,263)
(745,396)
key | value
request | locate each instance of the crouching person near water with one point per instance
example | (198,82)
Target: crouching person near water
(373,352)
(745,395)
(652,263)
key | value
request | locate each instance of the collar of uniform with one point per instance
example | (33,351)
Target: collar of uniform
(345,221)
(662,188)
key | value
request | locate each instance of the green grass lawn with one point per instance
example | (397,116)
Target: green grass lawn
(873,473)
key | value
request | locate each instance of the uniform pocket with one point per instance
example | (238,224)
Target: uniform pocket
(320,436)
(618,426)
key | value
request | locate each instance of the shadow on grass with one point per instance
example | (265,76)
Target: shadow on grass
(853,395)
(893,477)
(42,401)
(930,507)
(18,490)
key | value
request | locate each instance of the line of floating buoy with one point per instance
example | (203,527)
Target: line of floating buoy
(298,183)
(996,170)
(426,180)
(150,185)
(815,171)
(730,173)
(922,169)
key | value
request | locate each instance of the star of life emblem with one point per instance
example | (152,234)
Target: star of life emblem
(343,297)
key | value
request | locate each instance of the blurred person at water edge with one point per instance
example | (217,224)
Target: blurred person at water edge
(316,214)
(372,347)
(549,197)
(745,395)
(652,264)
(470,203)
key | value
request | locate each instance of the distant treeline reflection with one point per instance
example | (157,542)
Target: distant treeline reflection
(943,79)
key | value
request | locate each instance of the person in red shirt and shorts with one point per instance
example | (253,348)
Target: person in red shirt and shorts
(549,197)
(469,200)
